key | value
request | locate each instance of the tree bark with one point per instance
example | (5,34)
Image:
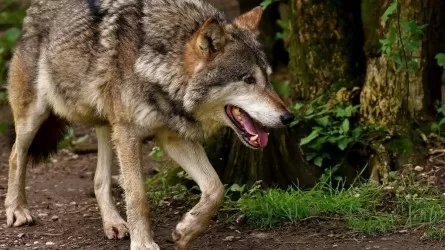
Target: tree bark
(398,100)
(389,97)
(325,47)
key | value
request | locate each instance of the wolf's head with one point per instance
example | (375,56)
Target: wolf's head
(229,82)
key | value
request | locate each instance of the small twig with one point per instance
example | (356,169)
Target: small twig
(292,242)
(437,150)
(49,234)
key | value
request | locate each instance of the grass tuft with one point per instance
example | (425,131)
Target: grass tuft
(367,208)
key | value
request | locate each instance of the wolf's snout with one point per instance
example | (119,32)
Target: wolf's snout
(287,118)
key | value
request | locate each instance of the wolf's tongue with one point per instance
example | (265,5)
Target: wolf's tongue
(263,139)
(253,129)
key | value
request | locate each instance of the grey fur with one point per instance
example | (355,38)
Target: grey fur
(167,69)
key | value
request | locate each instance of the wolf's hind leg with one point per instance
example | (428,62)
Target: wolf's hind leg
(114,226)
(29,114)
(193,159)
(17,212)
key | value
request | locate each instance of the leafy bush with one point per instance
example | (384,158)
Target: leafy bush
(333,130)
(402,40)
(11,16)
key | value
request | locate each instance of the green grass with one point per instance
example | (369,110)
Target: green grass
(368,208)
(377,224)
(435,233)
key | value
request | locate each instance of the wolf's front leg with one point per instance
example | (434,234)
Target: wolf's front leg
(128,146)
(193,159)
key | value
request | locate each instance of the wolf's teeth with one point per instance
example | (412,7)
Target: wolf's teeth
(236,112)
(253,138)
(239,118)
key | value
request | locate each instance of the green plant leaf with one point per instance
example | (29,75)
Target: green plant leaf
(442,121)
(266,3)
(318,143)
(237,188)
(389,11)
(441,59)
(344,143)
(435,127)
(310,137)
(345,126)
(323,121)
(357,132)
(318,161)
(297,106)
(310,156)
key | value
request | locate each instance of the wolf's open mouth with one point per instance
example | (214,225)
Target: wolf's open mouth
(249,129)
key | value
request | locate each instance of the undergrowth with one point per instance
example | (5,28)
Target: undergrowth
(405,202)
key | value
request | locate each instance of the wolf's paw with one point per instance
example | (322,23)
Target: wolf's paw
(181,243)
(116,229)
(17,216)
(146,246)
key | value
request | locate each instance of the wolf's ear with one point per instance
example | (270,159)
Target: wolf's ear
(250,20)
(210,39)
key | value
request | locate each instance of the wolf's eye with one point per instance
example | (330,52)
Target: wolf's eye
(249,79)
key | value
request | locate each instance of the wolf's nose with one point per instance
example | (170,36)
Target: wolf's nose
(287,118)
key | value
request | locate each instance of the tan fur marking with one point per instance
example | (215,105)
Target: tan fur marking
(275,100)
(191,59)
(20,89)
(209,40)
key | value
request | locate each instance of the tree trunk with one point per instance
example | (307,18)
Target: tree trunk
(325,47)
(398,99)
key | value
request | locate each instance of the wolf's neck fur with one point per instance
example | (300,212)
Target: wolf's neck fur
(160,64)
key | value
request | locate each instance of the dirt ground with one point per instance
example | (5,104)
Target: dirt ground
(61,198)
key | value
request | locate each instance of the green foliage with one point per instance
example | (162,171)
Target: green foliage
(437,126)
(402,40)
(265,3)
(168,186)
(405,201)
(11,16)
(435,233)
(68,139)
(441,59)
(235,192)
(377,224)
(157,153)
(332,130)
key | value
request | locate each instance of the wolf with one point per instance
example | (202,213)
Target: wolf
(172,71)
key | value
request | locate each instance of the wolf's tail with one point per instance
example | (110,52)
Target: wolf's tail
(46,141)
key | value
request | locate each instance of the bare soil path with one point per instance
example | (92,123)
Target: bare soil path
(61,198)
